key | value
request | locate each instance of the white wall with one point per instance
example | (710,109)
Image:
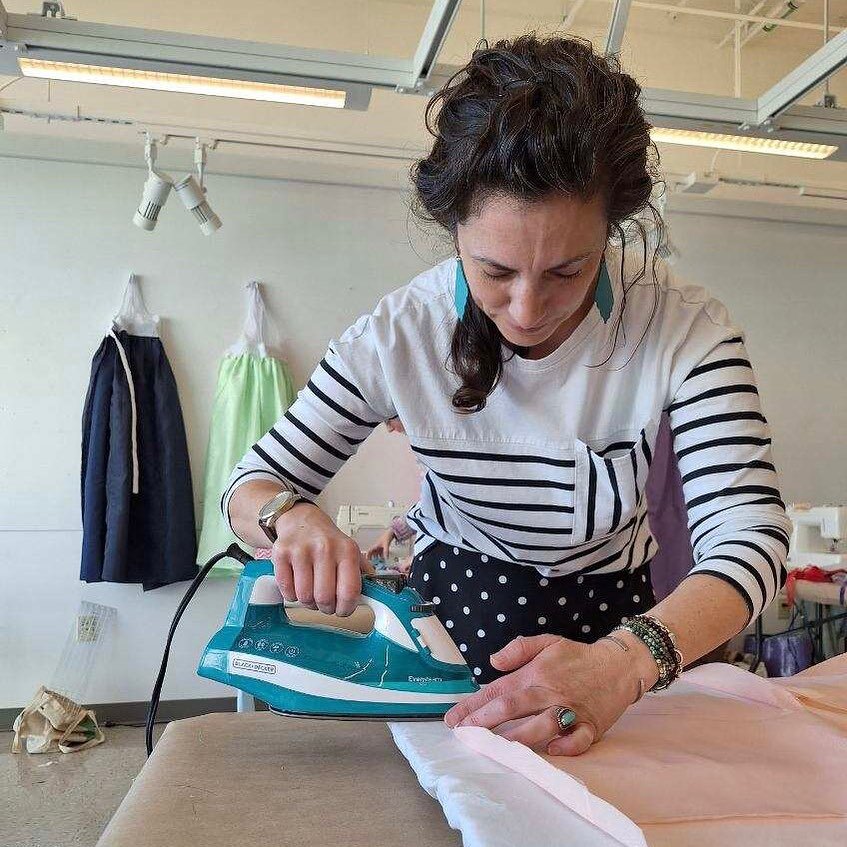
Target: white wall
(325,254)
(786,285)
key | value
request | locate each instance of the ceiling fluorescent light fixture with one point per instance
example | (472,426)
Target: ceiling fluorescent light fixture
(183,83)
(742,143)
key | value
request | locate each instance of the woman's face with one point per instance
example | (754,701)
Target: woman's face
(531,267)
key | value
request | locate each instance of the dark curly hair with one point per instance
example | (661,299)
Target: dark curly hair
(529,118)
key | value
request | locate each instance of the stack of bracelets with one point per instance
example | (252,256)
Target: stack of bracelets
(661,643)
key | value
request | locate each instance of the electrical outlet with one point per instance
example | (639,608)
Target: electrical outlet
(87,627)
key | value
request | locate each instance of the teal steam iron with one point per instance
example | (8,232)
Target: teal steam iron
(405,668)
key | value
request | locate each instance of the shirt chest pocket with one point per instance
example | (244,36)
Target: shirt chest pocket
(610,483)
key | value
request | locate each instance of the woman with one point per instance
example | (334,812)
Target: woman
(530,372)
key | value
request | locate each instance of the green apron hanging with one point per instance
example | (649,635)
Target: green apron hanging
(254,389)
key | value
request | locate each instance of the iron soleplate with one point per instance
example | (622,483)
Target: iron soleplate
(382,718)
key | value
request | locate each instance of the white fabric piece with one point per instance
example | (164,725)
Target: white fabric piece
(565,788)
(252,338)
(133,316)
(491,805)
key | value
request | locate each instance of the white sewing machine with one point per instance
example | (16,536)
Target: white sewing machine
(366,523)
(818,536)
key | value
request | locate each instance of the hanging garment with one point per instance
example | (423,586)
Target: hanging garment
(137,501)
(254,389)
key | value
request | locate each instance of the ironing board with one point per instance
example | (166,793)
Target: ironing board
(257,778)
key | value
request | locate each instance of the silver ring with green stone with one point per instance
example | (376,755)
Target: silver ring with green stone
(565,718)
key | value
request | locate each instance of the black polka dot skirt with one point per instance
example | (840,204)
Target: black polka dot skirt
(484,603)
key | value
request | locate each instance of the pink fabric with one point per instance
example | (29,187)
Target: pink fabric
(726,757)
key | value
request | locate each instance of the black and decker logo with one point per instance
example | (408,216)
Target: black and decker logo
(250,665)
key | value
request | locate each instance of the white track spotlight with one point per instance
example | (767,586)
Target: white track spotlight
(156,190)
(193,194)
(194,199)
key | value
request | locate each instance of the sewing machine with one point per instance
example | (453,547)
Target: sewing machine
(366,523)
(818,536)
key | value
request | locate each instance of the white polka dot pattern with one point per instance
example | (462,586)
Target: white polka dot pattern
(485,607)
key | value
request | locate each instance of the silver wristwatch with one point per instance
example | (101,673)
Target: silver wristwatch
(271,511)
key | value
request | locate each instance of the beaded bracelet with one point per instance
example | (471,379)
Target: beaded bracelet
(662,645)
(669,642)
(657,649)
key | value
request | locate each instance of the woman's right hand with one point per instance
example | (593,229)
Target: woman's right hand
(315,563)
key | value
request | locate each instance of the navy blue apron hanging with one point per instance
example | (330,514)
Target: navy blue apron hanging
(137,500)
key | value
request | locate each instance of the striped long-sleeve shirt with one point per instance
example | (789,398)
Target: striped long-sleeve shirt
(551,473)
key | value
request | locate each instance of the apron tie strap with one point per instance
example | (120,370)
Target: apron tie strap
(134,413)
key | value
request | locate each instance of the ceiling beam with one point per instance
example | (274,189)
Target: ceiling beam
(728,16)
(435,33)
(574,10)
(730,33)
(617,26)
(822,64)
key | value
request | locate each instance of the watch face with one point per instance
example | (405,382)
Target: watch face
(269,509)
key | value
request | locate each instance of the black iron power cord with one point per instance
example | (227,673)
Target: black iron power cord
(234,552)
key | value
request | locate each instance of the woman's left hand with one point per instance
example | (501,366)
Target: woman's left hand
(597,681)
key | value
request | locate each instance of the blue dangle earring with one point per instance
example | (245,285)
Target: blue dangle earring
(461,292)
(603,296)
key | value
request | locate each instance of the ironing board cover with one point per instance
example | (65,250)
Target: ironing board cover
(254,389)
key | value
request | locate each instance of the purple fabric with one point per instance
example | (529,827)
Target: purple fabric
(668,516)
(402,530)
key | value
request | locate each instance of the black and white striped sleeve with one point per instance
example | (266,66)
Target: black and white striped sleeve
(343,401)
(739,529)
